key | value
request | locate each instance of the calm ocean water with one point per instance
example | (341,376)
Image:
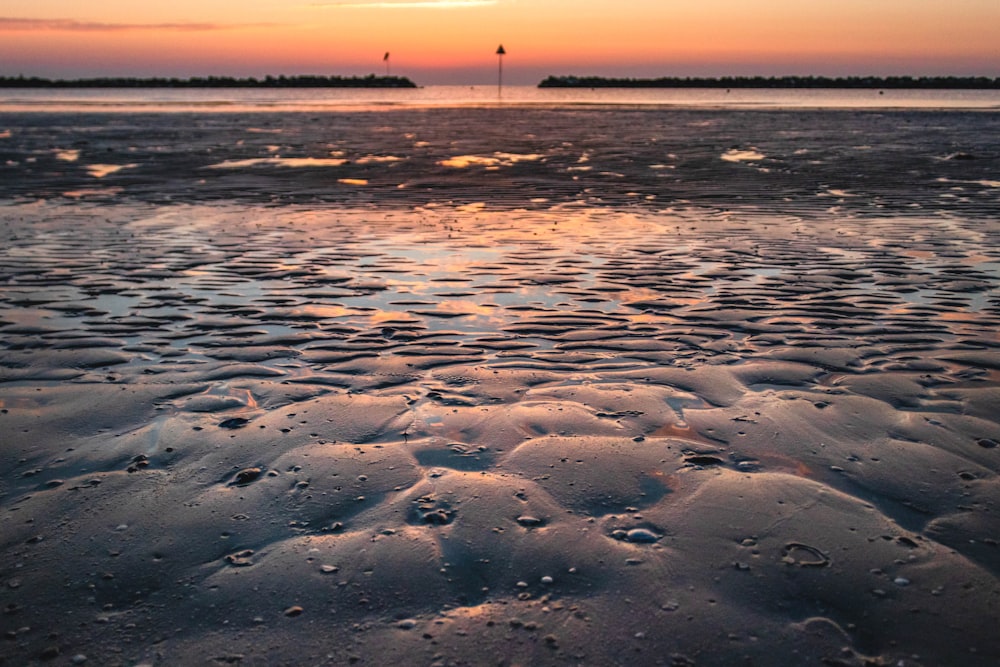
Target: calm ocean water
(258,99)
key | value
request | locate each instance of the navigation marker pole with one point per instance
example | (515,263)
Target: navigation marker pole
(500,54)
(385,59)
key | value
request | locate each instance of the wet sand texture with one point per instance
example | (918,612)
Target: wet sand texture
(534,407)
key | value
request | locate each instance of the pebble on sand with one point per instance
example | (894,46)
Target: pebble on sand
(642,535)
(246,476)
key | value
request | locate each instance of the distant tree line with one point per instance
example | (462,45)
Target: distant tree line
(304,81)
(890,82)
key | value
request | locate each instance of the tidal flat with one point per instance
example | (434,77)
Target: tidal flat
(512,386)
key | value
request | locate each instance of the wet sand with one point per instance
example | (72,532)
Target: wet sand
(593,387)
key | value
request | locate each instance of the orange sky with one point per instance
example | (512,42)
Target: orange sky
(453,41)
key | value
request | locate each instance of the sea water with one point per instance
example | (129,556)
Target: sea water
(326,99)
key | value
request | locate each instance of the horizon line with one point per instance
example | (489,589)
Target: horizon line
(265,78)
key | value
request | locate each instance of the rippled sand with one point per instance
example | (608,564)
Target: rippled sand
(464,396)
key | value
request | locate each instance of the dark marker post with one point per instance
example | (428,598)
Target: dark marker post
(500,54)
(385,59)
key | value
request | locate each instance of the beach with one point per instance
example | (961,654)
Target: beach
(500,385)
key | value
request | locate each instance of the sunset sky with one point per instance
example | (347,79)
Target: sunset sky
(453,41)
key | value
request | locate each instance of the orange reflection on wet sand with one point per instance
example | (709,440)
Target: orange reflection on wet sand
(494,161)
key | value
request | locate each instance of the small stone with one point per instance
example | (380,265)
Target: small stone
(293,611)
(901,581)
(529,521)
(406,624)
(641,536)
(328,569)
(78,659)
(246,476)
(547,580)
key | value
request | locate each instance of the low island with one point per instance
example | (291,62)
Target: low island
(301,81)
(856,82)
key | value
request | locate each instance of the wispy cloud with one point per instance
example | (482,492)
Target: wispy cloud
(403,4)
(69,25)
